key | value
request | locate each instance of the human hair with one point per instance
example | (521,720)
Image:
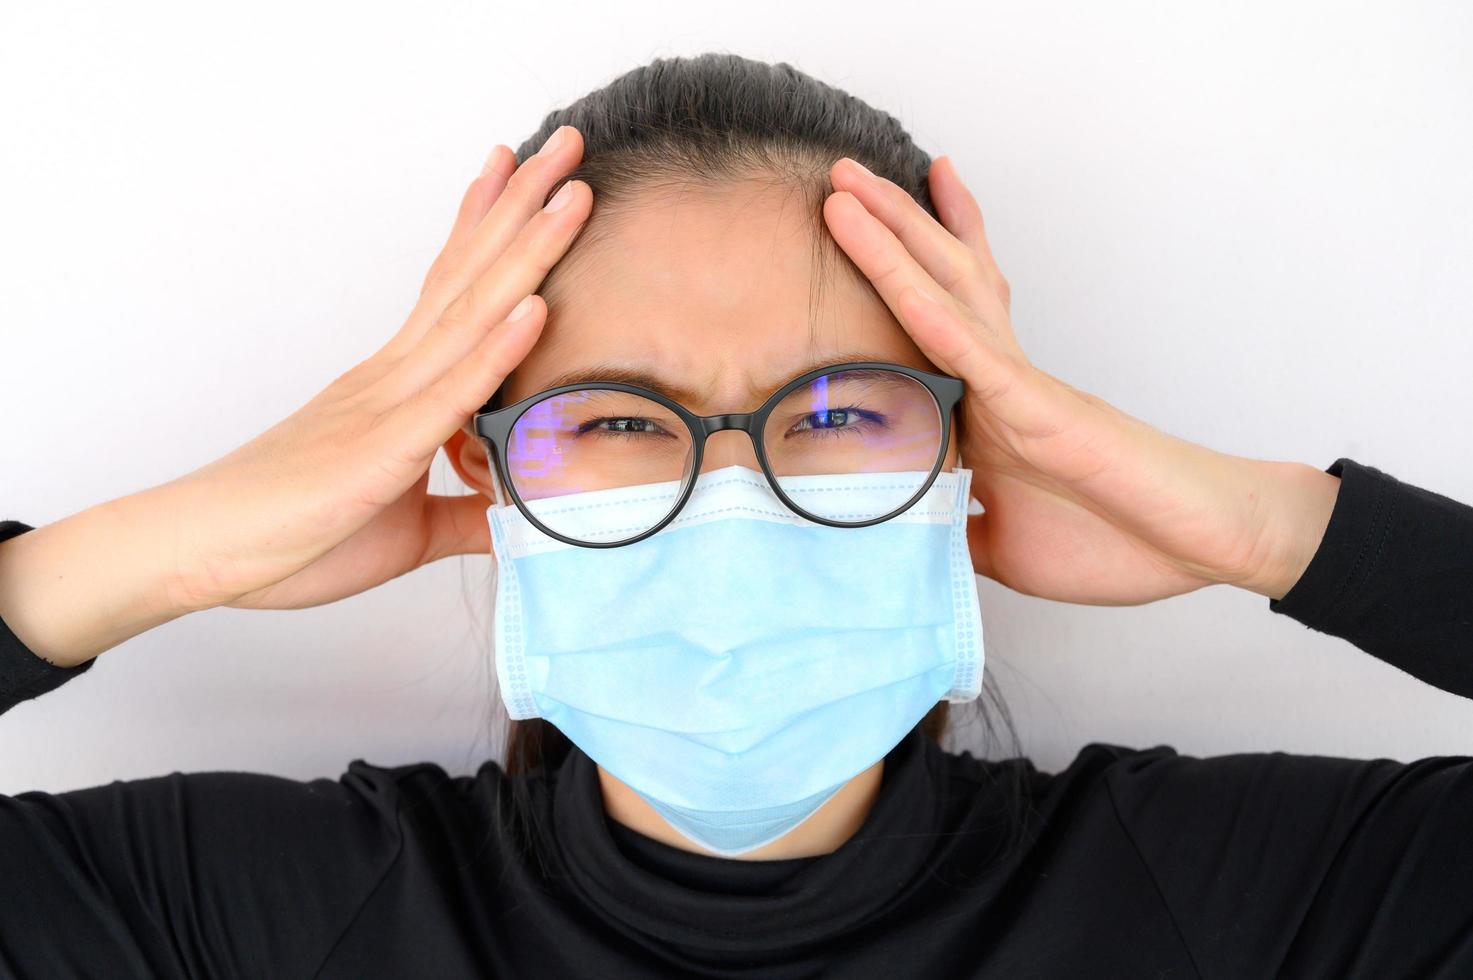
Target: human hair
(705,121)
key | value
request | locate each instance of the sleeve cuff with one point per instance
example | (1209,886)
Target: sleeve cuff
(1352,547)
(1394,577)
(23,674)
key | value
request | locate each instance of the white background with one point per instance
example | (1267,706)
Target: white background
(1246,223)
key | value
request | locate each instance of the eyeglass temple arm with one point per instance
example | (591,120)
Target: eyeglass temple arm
(491,467)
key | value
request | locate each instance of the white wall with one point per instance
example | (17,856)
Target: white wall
(1248,225)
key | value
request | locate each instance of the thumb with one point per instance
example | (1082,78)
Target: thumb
(456,525)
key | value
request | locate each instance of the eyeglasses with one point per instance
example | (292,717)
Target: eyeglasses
(858,417)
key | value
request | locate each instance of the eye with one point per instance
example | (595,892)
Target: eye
(838,420)
(623,425)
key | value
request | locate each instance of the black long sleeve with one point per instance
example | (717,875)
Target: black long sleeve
(1394,576)
(1128,863)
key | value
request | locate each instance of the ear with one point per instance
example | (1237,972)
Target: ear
(467,454)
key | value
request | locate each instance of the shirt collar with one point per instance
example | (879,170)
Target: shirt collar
(729,906)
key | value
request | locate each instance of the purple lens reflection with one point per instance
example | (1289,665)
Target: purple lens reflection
(536,450)
(860,421)
(595,439)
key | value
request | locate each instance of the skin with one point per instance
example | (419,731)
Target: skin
(1084,503)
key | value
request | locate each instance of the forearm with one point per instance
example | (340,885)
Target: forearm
(81,585)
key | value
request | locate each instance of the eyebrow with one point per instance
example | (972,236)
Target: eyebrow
(622,374)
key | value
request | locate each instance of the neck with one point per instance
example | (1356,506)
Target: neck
(822,833)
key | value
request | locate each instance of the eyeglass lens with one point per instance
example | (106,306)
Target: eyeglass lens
(845,422)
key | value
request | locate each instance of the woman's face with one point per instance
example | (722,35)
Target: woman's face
(706,294)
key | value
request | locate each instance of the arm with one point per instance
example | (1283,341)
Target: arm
(211,874)
(246,874)
(1394,576)
(183,875)
(1276,864)
(1328,867)
(23,673)
(1282,865)
(81,585)
(311,510)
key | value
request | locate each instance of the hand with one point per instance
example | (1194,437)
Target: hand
(1084,503)
(332,500)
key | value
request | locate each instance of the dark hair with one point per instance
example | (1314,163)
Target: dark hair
(711,119)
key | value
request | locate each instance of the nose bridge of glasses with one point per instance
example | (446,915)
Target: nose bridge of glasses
(714,457)
(730,420)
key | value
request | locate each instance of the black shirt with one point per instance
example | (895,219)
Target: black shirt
(1130,863)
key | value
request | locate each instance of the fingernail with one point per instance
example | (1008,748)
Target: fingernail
(561,198)
(553,142)
(490,163)
(924,295)
(522,308)
(862,167)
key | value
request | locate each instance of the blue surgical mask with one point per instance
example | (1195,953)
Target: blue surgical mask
(739,666)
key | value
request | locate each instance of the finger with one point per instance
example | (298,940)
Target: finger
(525,194)
(961,214)
(954,344)
(950,263)
(500,164)
(490,298)
(415,429)
(456,526)
(479,196)
(884,259)
(1003,385)
(952,335)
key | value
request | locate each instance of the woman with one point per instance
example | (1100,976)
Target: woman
(729,654)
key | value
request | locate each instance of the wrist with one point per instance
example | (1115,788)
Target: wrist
(1302,500)
(77,587)
(150,520)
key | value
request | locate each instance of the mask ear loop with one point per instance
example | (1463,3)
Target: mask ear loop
(500,497)
(974,506)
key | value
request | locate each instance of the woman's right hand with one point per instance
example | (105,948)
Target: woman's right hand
(332,500)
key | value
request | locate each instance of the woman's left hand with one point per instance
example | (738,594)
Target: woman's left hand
(1084,503)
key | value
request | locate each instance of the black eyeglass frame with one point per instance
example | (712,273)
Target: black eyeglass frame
(495,427)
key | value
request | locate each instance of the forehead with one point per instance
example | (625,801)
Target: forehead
(714,288)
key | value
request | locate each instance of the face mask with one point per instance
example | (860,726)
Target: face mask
(740,665)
